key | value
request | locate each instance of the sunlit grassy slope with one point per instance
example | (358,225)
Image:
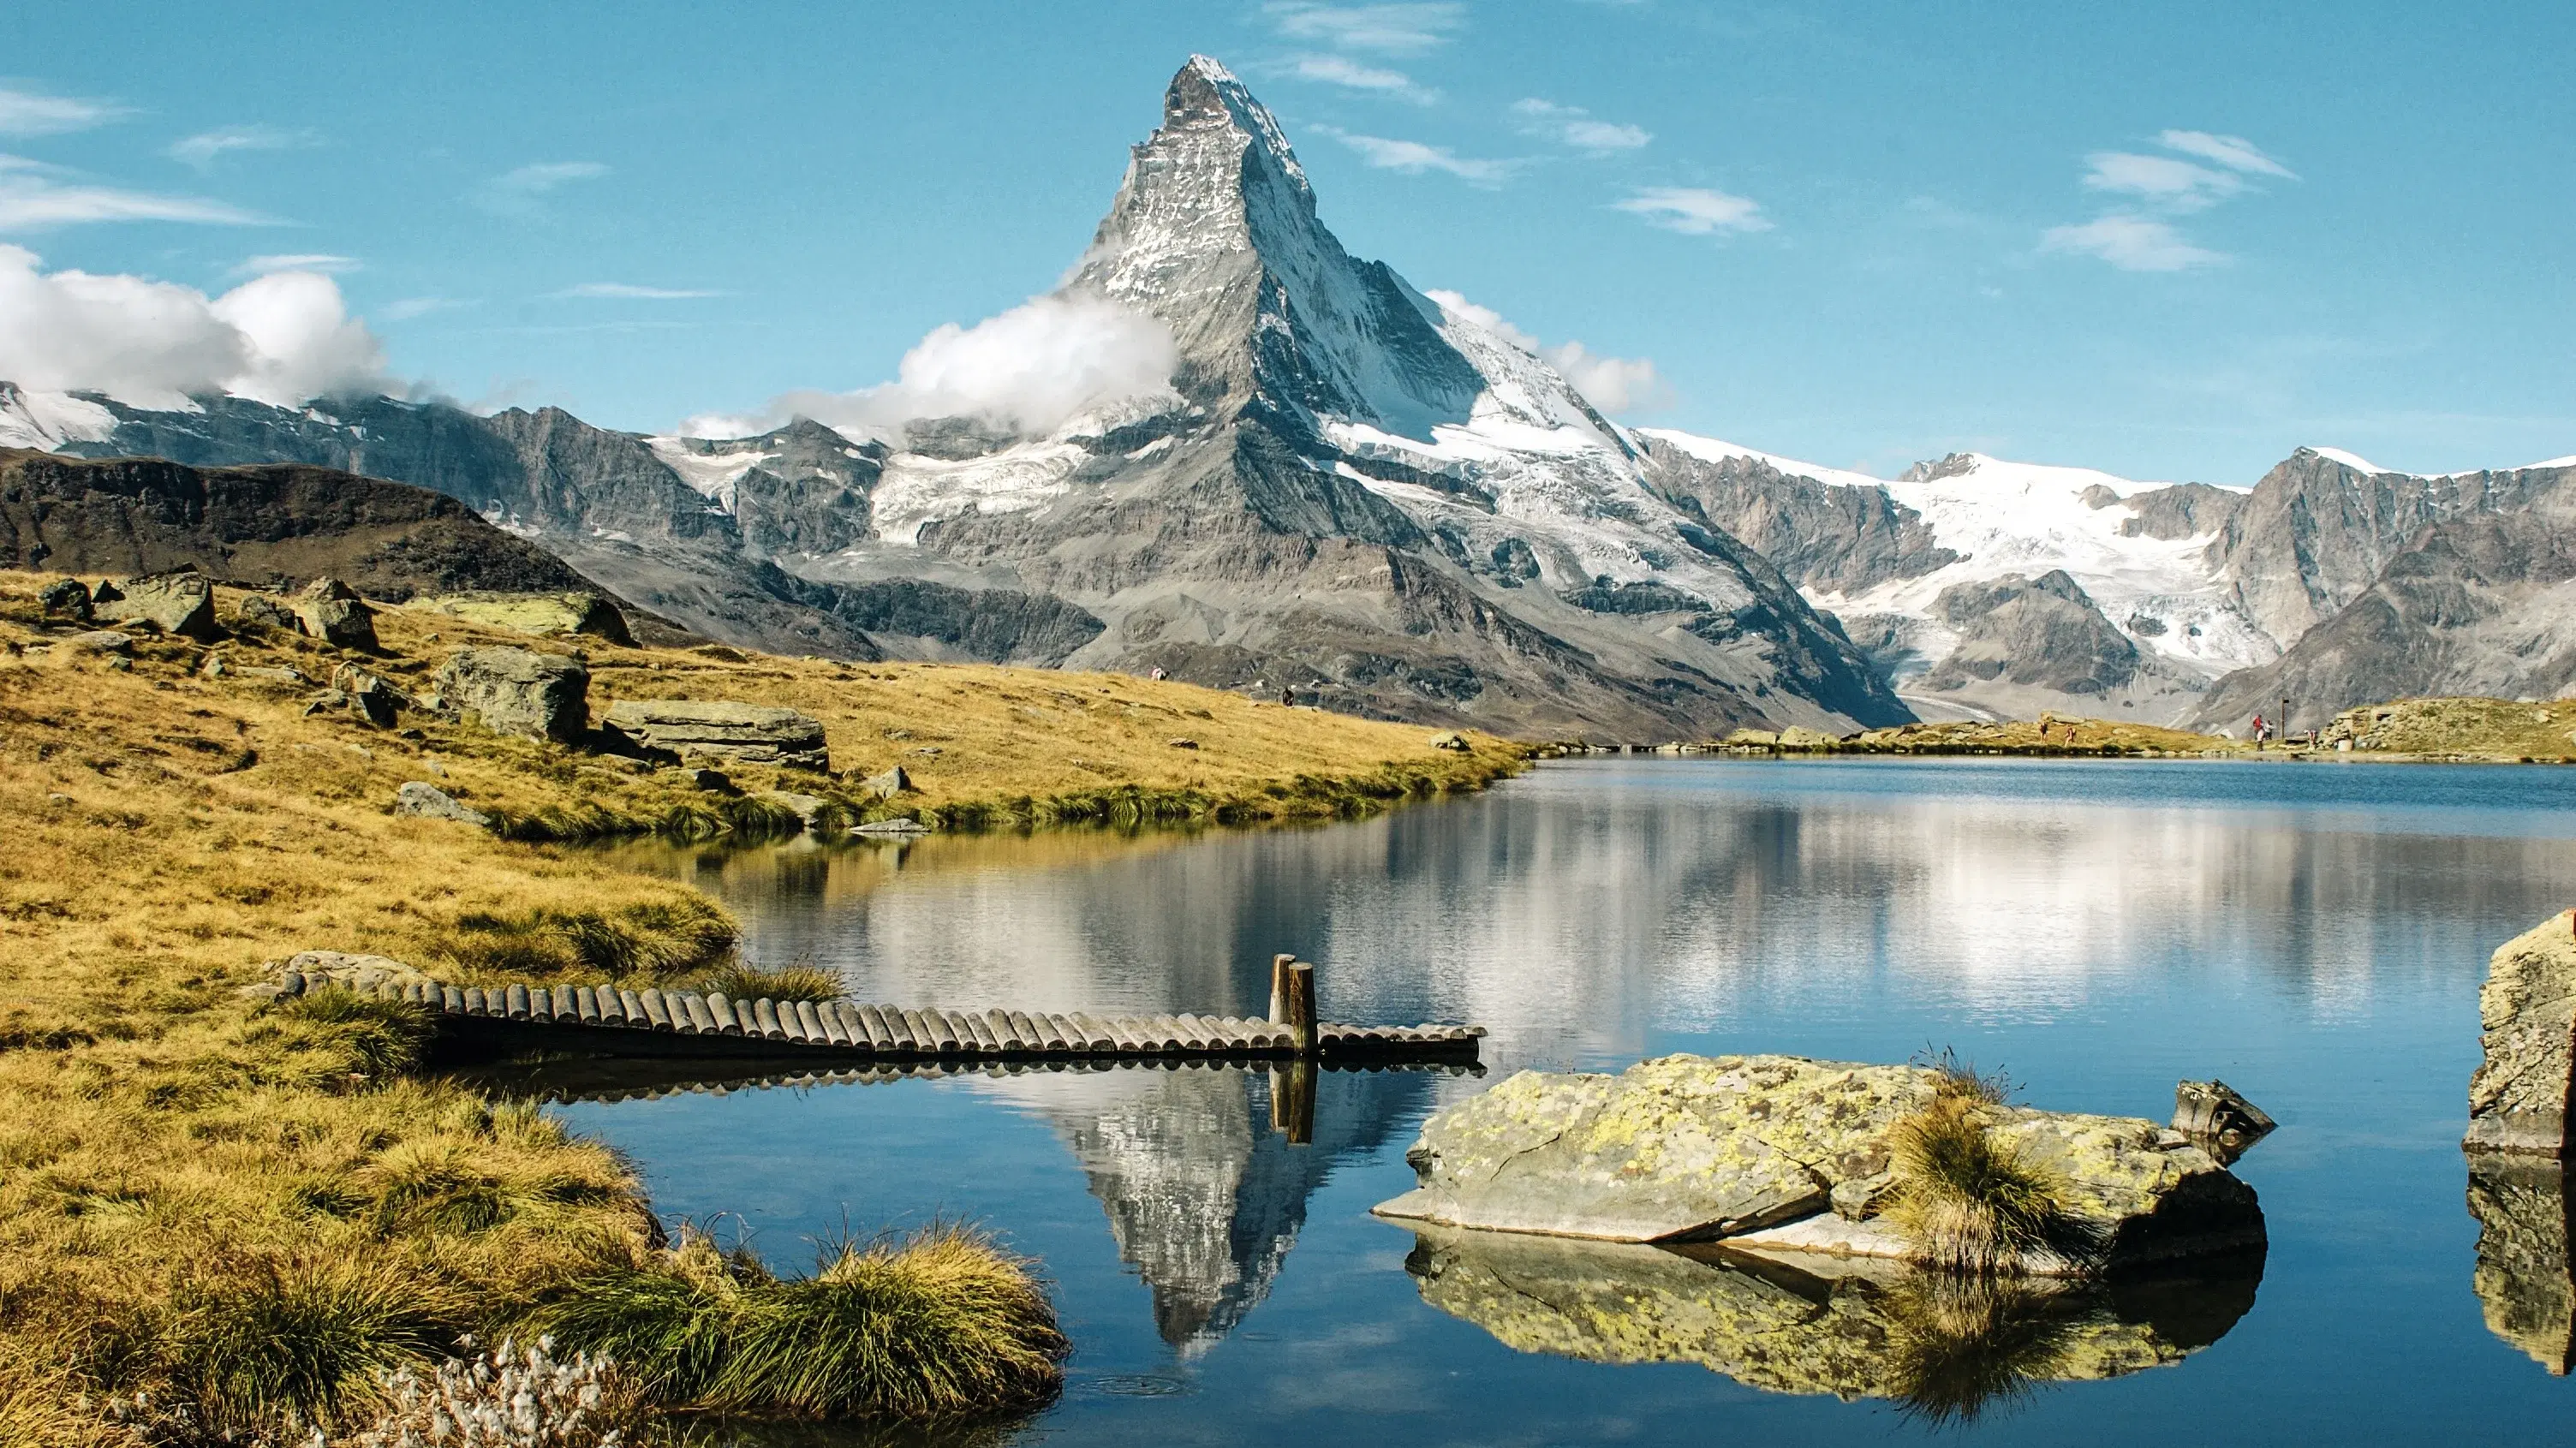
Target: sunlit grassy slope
(177,1161)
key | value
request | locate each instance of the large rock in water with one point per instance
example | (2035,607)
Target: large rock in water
(724,730)
(1691,1148)
(2527,1013)
(519,691)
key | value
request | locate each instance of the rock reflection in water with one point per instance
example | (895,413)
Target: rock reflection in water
(1203,1195)
(2523,1278)
(1945,1350)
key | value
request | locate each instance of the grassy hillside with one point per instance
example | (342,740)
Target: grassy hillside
(180,1165)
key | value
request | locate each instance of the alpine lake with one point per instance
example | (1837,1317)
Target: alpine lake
(2315,934)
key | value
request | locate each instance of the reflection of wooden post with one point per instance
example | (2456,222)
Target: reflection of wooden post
(1292,1000)
(1292,1100)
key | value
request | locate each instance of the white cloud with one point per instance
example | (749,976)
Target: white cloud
(1574,126)
(1032,368)
(1695,211)
(1613,384)
(1415,157)
(1392,29)
(407,308)
(2161,180)
(2233,152)
(2131,243)
(34,196)
(282,338)
(200,150)
(321,262)
(27,113)
(625,291)
(2164,186)
(518,192)
(1343,71)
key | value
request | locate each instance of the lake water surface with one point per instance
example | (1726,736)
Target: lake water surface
(2314,934)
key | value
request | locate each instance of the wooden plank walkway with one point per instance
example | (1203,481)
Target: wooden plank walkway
(603,1080)
(681,1022)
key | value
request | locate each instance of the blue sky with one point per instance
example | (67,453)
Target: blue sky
(2173,241)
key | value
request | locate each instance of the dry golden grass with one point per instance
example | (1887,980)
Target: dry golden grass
(2498,729)
(175,1161)
(2056,734)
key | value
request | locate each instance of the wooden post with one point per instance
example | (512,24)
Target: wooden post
(1292,1000)
(1292,1100)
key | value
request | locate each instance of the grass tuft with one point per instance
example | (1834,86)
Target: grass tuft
(1965,1201)
(800,981)
(379,1037)
(941,1325)
(297,1339)
(654,938)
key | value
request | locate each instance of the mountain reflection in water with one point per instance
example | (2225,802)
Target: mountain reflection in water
(1945,1349)
(1204,1196)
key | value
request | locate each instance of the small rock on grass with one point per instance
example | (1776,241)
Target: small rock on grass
(889,784)
(427,801)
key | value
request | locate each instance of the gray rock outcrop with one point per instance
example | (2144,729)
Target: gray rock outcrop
(519,691)
(1689,1148)
(331,611)
(427,801)
(176,603)
(2527,1018)
(725,731)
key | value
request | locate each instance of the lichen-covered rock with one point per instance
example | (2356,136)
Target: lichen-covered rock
(1688,1148)
(725,731)
(2527,1012)
(1680,1147)
(1851,1329)
(331,611)
(335,967)
(2523,1276)
(175,603)
(543,614)
(519,691)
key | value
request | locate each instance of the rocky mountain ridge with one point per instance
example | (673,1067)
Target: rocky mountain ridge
(1381,498)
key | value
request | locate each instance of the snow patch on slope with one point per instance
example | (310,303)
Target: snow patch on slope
(47,420)
(707,467)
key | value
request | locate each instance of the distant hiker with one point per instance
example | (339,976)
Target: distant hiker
(1157,674)
(2260,734)
(1287,696)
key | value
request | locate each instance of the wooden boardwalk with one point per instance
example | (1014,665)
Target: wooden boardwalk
(681,1022)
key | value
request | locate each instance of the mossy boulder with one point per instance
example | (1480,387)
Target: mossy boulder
(1692,1148)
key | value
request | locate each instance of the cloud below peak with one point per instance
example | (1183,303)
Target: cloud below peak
(282,338)
(1033,368)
